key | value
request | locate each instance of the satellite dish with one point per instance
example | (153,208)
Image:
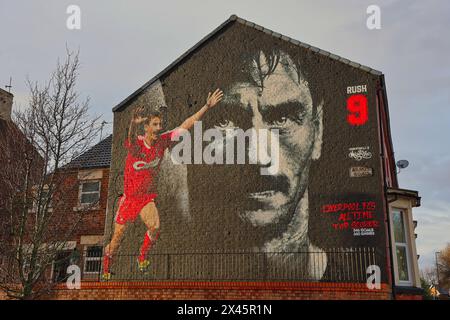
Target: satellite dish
(402,164)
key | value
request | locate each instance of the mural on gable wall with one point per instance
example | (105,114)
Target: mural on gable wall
(295,210)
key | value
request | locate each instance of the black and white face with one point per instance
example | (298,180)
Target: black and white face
(277,98)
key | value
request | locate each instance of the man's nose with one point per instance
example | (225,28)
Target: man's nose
(259,151)
(262,146)
(257,120)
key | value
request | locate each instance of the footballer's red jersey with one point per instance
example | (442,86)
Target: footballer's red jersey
(142,164)
(141,172)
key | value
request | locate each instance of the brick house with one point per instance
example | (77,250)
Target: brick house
(14,149)
(317,229)
(89,172)
(85,185)
(6,128)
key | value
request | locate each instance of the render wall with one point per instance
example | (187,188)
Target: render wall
(313,218)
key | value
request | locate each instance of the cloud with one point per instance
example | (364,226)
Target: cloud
(433,231)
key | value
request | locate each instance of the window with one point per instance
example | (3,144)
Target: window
(43,197)
(60,265)
(89,192)
(93,259)
(401,248)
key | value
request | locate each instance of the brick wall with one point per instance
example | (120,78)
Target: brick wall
(408,297)
(220,291)
(223,291)
(6,102)
(92,221)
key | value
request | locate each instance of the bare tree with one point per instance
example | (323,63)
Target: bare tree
(38,219)
(443,266)
(429,275)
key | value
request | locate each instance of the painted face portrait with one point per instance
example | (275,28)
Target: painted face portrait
(271,210)
(279,98)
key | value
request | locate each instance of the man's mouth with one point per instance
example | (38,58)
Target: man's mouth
(262,194)
(265,207)
(270,190)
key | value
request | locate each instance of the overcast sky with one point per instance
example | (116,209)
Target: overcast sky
(125,43)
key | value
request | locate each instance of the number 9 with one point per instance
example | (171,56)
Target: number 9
(357,106)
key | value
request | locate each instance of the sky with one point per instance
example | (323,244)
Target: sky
(125,43)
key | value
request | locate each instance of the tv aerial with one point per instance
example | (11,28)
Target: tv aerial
(101,128)
(402,164)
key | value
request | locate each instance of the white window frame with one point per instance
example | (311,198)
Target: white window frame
(68,245)
(53,267)
(406,245)
(80,193)
(88,259)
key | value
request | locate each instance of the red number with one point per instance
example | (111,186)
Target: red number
(357,106)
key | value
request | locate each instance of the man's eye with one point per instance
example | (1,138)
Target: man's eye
(225,124)
(280,122)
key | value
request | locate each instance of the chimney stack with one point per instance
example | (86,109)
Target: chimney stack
(6,101)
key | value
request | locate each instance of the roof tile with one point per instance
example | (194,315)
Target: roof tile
(97,156)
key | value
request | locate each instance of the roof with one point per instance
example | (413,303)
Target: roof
(394,193)
(233,18)
(97,156)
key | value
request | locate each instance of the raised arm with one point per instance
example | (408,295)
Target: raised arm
(135,120)
(211,101)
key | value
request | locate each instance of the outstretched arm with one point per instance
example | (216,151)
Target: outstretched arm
(135,120)
(211,101)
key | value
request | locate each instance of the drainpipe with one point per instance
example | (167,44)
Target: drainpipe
(381,99)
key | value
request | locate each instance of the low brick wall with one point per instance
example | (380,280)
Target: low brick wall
(408,297)
(220,291)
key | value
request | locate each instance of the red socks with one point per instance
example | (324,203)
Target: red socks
(106,262)
(147,244)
